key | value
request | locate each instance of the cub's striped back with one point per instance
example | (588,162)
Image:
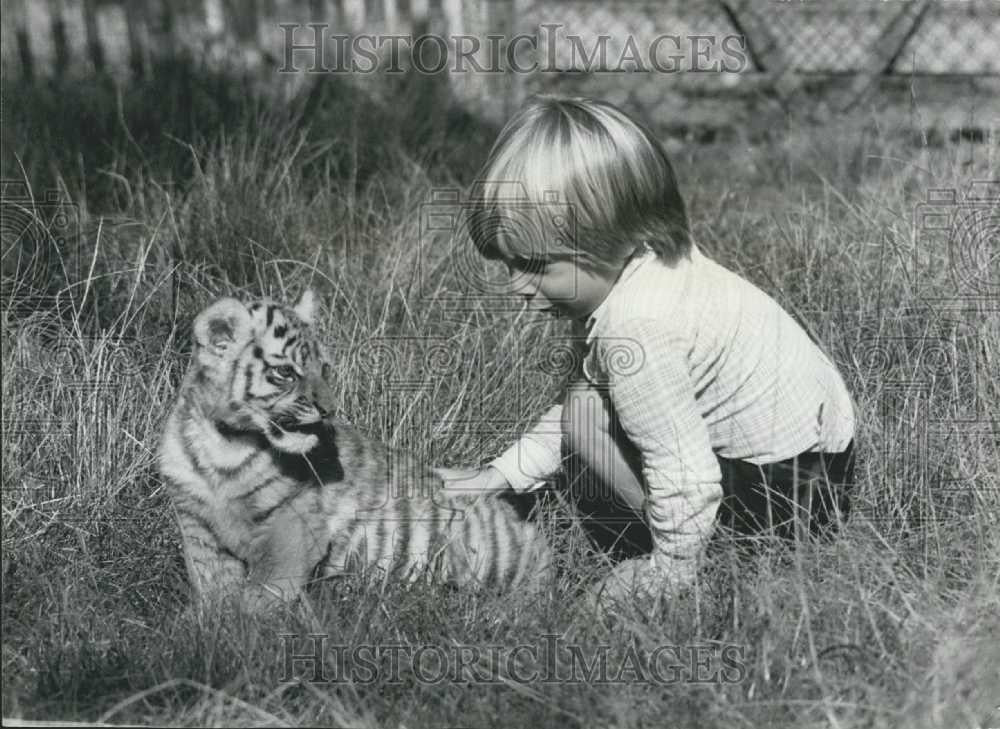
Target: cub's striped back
(270,489)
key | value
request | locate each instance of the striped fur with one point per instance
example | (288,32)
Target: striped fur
(270,490)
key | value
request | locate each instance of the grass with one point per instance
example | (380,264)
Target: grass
(194,186)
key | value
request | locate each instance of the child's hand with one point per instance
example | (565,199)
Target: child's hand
(472,481)
(629,582)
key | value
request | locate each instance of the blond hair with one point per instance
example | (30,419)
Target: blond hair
(575,175)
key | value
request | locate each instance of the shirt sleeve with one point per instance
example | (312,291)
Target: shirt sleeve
(536,456)
(653,394)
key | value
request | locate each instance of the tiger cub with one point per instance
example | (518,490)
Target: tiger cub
(270,490)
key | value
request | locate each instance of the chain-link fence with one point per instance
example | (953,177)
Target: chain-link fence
(804,37)
(700,63)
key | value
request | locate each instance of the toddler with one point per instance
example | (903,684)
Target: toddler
(702,406)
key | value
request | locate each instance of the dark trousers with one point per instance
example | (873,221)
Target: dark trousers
(807,494)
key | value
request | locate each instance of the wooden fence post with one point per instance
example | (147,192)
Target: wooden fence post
(454,18)
(190,24)
(419,13)
(243,19)
(514,80)
(391,13)
(134,28)
(94,47)
(167,27)
(354,15)
(57,26)
(338,20)
(18,15)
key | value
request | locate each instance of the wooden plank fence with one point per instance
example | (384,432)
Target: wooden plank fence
(49,35)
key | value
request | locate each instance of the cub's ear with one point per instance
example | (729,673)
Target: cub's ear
(305,308)
(222,325)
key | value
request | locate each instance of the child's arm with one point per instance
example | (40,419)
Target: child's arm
(472,481)
(524,466)
(656,407)
(536,456)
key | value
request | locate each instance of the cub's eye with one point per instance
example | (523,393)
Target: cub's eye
(283,372)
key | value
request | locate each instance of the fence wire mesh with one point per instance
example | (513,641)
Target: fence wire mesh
(811,37)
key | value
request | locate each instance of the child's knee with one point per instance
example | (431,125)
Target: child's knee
(585,416)
(595,442)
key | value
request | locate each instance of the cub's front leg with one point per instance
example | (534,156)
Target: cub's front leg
(213,569)
(286,550)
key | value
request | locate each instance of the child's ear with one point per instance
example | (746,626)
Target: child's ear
(305,308)
(221,325)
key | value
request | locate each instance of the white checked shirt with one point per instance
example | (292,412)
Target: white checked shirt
(697,361)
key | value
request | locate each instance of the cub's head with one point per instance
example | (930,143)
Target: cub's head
(258,368)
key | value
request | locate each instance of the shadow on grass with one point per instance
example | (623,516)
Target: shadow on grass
(209,178)
(93,136)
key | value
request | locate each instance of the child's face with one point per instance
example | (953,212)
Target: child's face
(561,283)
